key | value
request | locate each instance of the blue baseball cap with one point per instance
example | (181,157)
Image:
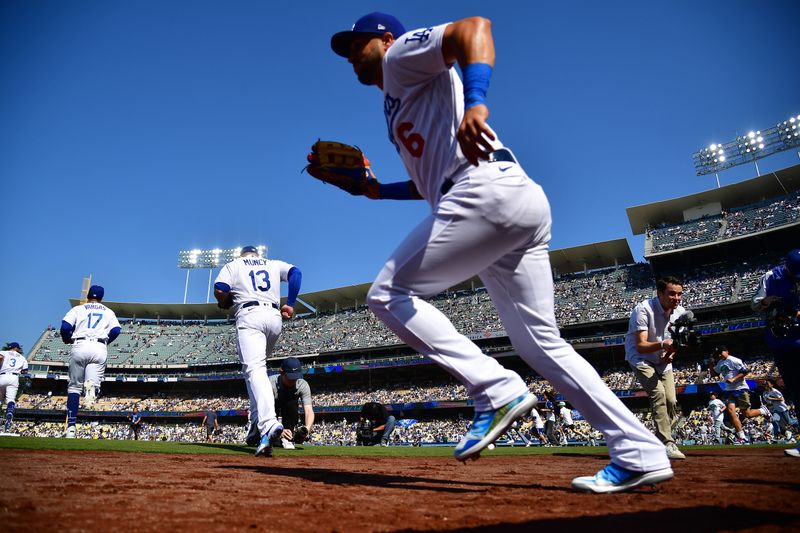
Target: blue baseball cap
(375,23)
(96,292)
(292,368)
(12,345)
(793,262)
(249,250)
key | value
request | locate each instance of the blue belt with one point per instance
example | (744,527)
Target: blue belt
(251,304)
(101,341)
(503,154)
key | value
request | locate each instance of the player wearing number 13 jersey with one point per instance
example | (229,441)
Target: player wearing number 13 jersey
(254,284)
(89,328)
(488,218)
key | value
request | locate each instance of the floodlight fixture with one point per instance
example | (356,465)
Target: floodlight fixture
(751,147)
(210,259)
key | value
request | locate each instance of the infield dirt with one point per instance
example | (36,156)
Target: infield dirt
(736,489)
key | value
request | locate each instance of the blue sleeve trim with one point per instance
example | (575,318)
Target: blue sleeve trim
(66,331)
(113,334)
(476,83)
(224,287)
(396,191)
(294,278)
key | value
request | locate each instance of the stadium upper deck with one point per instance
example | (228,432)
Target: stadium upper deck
(764,210)
(596,285)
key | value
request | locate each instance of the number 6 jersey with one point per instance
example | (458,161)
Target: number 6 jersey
(424,106)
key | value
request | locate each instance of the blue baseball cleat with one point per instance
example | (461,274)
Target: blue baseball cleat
(265,447)
(614,478)
(487,426)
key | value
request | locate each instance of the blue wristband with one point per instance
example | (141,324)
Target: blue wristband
(476,83)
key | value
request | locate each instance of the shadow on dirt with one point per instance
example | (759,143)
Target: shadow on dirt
(343,477)
(685,520)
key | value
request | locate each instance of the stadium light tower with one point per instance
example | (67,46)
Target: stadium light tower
(753,146)
(210,259)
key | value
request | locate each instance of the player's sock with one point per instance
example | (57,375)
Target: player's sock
(73,401)
(9,415)
(740,435)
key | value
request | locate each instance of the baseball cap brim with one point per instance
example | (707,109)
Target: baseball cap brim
(294,375)
(340,42)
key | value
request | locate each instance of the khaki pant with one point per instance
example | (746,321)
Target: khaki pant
(663,401)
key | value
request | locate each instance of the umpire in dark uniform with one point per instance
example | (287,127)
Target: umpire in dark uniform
(375,425)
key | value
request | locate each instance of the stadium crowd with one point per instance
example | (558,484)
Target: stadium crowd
(744,220)
(583,297)
(621,379)
(694,428)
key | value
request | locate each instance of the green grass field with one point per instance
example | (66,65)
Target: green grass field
(37,443)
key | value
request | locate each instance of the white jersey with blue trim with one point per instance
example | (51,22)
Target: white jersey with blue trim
(254,279)
(13,363)
(92,320)
(424,106)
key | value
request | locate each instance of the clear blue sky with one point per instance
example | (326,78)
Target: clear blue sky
(132,130)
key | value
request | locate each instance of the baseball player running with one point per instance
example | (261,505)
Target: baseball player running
(488,218)
(89,328)
(12,364)
(251,285)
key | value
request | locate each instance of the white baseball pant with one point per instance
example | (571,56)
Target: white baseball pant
(9,385)
(497,224)
(87,361)
(257,331)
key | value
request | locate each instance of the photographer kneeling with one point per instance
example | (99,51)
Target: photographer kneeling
(375,425)
(649,349)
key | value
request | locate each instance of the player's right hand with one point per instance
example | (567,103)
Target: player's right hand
(287,311)
(474,134)
(287,434)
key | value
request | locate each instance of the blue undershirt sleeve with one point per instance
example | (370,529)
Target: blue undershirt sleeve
(396,191)
(113,334)
(294,278)
(66,331)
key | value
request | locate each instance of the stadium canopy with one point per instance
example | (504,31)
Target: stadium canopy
(564,261)
(677,210)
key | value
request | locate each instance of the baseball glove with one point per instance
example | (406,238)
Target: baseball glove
(344,166)
(227,303)
(300,434)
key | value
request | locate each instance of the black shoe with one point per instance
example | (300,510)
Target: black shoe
(253,436)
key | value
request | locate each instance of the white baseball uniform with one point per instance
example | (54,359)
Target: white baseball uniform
(13,364)
(255,285)
(717,409)
(87,359)
(493,221)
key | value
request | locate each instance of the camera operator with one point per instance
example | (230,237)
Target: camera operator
(736,391)
(375,425)
(778,295)
(649,349)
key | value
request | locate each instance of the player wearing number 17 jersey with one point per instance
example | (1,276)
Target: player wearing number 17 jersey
(251,284)
(487,218)
(89,328)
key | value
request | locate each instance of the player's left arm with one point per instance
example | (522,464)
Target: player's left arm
(294,278)
(308,411)
(469,42)
(115,330)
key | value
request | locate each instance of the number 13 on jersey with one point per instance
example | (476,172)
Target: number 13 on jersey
(262,276)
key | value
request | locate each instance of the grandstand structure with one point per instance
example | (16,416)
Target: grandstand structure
(720,241)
